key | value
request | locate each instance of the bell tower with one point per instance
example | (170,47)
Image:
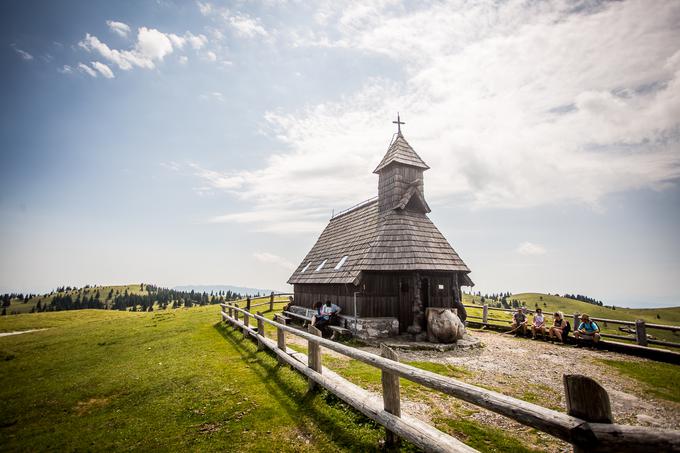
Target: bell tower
(400,177)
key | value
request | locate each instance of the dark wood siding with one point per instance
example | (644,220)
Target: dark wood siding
(384,294)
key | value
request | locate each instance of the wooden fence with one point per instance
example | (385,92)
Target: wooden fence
(640,326)
(588,425)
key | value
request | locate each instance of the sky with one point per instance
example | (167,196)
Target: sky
(181,142)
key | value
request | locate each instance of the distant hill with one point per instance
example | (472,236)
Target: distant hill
(243,290)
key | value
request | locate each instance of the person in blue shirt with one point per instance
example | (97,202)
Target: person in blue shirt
(328,314)
(587,329)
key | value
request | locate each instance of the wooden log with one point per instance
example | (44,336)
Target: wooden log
(260,333)
(587,400)
(410,428)
(485,314)
(634,439)
(314,355)
(391,395)
(641,332)
(271,302)
(555,423)
(663,343)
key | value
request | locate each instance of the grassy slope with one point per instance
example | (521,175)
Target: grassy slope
(176,380)
(166,380)
(551,304)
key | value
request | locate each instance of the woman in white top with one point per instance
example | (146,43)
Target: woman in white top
(538,325)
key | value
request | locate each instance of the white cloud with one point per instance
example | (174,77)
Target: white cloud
(205,8)
(244,25)
(270,258)
(183,59)
(197,42)
(22,53)
(152,46)
(87,70)
(66,69)
(103,69)
(511,104)
(216,96)
(210,56)
(118,28)
(528,248)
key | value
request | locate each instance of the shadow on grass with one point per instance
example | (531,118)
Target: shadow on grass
(345,427)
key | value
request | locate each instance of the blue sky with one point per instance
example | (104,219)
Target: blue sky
(208,143)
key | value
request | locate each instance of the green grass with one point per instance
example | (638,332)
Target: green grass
(175,380)
(484,438)
(660,379)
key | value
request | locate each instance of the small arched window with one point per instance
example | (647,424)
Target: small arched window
(320,266)
(306,267)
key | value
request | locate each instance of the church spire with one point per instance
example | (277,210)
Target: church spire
(400,184)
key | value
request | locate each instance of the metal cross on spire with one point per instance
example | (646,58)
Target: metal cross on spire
(398,123)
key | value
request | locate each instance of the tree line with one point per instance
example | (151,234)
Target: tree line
(92,297)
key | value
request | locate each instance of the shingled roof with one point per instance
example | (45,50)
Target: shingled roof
(396,240)
(401,151)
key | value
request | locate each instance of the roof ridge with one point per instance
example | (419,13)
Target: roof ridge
(359,205)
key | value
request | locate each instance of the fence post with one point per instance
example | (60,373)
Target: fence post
(281,336)
(485,314)
(391,395)
(230,311)
(271,301)
(260,333)
(246,324)
(235,314)
(314,355)
(588,400)
(248,304)
(641,332)
(574,328)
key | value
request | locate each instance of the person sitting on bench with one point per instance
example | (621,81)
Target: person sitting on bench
(519,322)
(538,326)
(560,328)
(587,330)
(327,315)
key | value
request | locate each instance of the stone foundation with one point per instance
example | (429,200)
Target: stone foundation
(372,328)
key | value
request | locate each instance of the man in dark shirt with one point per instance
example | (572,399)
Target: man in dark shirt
(519,322)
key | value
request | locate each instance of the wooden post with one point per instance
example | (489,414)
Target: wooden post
(248,304)
(485,314)
(641,332)
(235,314)
(281,336)
(246,324)
(271,301)
(391,396)
(231,312)
(260,333)
(577,321)
(314,355)
(587,400)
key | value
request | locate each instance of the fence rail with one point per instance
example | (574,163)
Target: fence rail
(640,336)
(587,431)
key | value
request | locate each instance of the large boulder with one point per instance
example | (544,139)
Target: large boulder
(443,325)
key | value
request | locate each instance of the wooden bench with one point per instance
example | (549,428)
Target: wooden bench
(339,332)
(297,315)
